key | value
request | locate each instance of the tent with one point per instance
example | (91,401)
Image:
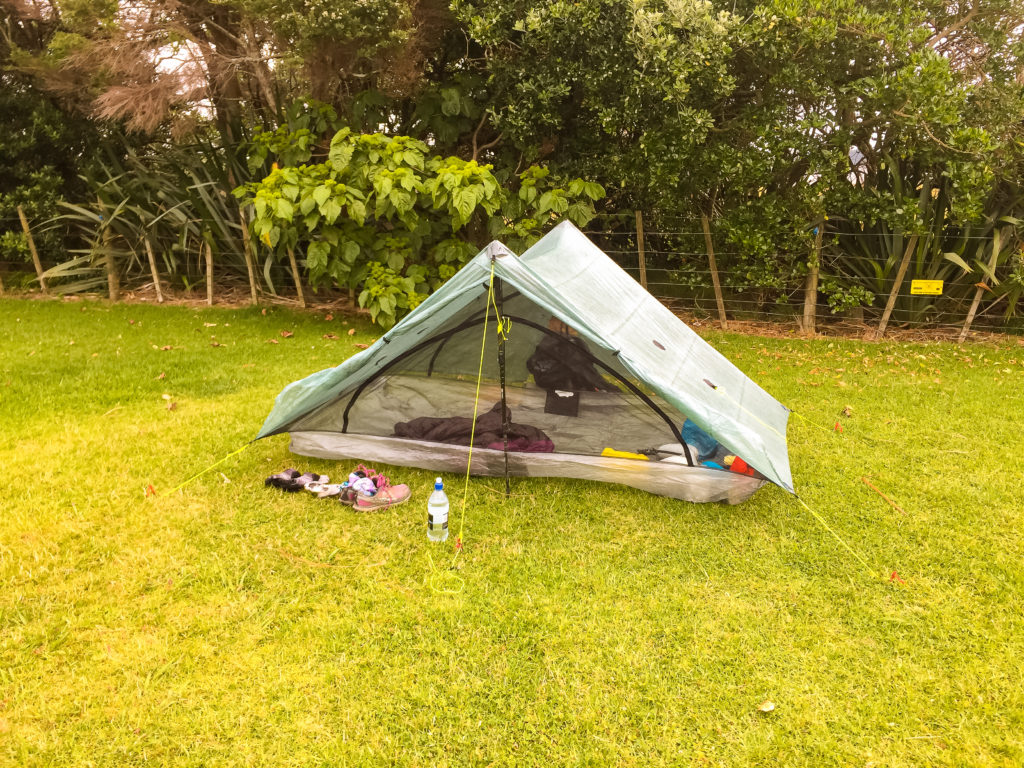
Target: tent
(583,374)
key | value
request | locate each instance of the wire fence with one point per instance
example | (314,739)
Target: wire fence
(675,264)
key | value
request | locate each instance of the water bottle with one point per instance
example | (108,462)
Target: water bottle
(437,513)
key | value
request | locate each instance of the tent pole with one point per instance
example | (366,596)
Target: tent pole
(499,300)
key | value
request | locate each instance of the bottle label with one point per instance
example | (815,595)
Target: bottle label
(430,521)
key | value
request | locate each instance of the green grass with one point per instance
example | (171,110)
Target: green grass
(229,624)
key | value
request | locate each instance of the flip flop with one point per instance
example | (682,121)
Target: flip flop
(324,490)
(281,479)
(302,481)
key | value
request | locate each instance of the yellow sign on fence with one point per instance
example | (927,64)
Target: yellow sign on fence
(926,287)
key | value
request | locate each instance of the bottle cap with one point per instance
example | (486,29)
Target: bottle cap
(438,485)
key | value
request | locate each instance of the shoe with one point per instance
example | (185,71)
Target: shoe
(387,495)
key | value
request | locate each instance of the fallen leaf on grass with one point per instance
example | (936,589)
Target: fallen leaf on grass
(351,331)
(848,411)
(765,706)
(210,325)
(161,376)
(263,311)
(165,396)
(273,341)
(328,317)
(215,343)
(361,345)
(172,406)
(330,336)
(286,334)
(166,348)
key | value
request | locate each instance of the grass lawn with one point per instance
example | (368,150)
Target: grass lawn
(230,624)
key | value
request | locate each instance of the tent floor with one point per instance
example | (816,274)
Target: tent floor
(697,484)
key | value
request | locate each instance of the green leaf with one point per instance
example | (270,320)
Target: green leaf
(451,103)
(320,194)
(464,201)
(284,209)
(340,154)
(956,259)
(357,211)
(350,252)
(331,211)
(316,256)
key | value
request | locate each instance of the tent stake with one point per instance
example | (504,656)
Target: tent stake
(499,299)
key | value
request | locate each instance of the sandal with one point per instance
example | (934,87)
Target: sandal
(310,477)
(324,490)
(281,479)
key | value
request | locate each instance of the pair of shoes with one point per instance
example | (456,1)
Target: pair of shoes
(291,480)
(357,492)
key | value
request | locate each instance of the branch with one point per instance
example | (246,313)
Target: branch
(478,149)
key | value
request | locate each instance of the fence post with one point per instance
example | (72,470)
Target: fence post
(298,278)
(153,271)
(640,248)
(32,249)
(811,287)
(247,250)
(977,294)
(113,281)
(714,272)
(209,274)
(900,273)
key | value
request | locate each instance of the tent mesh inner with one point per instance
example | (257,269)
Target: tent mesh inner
(438,381)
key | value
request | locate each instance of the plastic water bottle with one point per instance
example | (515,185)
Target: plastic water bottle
(437,513)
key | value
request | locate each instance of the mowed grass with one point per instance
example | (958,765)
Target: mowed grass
(231,624)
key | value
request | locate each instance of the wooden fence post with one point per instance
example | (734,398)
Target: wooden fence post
(113,280)
(209,274)
(153,271)
(900,273)
(811,287)
(32,249)
(640,248)
(714,272)
(247,250)
(977,294)
(298,277)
